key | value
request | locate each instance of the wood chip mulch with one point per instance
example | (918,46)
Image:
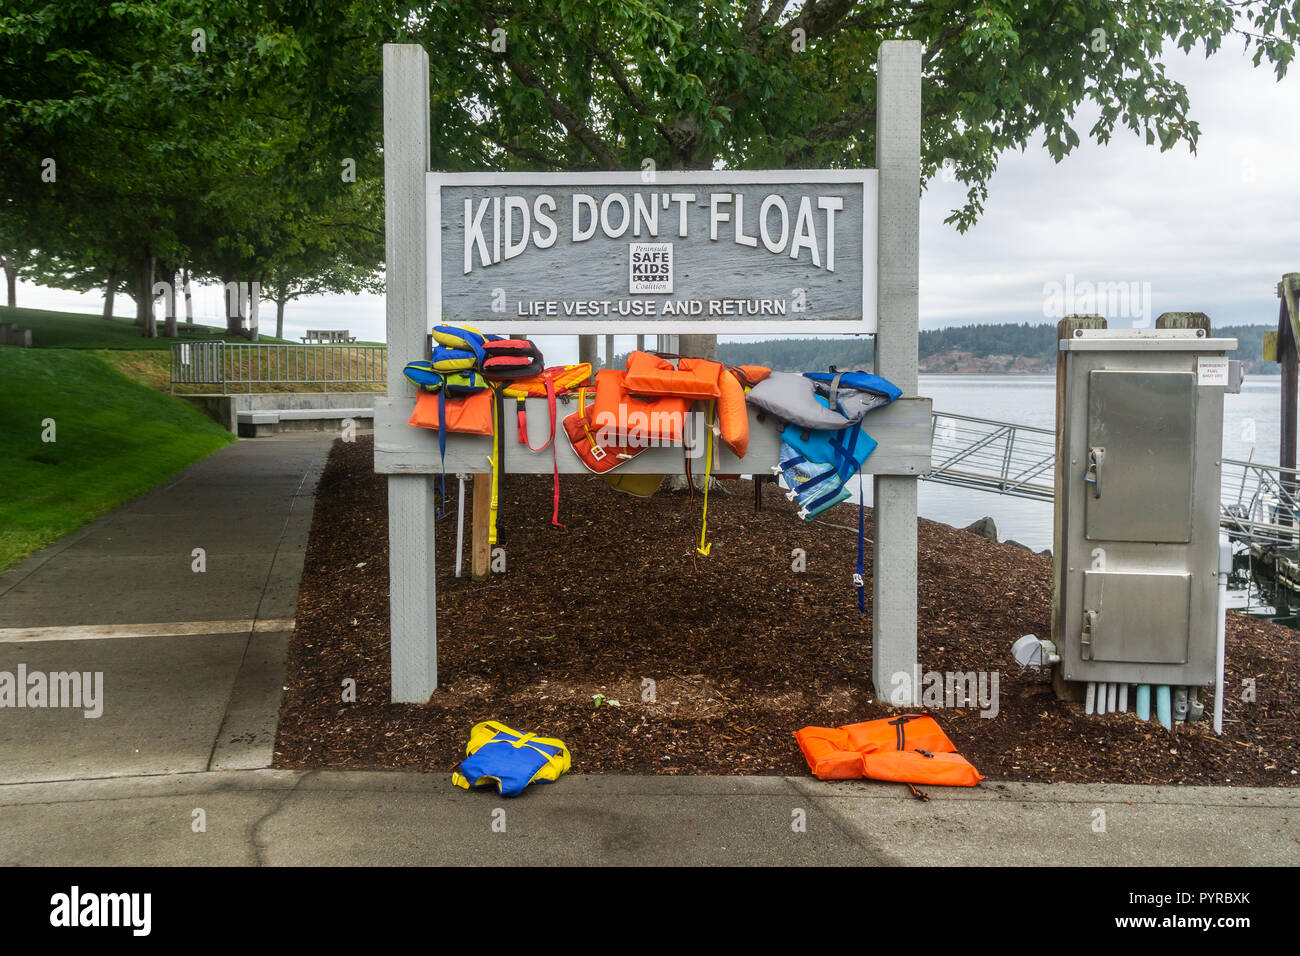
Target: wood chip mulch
(741,649)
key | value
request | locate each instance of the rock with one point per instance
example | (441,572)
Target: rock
(1018,544)
(1046,552)
(985,528)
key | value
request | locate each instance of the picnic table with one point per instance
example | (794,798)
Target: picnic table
(328,336)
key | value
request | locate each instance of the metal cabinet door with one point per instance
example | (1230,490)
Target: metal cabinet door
(1144,424)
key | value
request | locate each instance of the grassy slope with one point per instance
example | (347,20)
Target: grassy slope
(77,330)
(115,438)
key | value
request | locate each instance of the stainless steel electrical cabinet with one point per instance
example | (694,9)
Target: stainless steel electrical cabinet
(1142,437)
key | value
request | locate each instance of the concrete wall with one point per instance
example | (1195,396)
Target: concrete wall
(225,409)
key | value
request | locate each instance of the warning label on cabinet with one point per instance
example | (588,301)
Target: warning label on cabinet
(1212,370)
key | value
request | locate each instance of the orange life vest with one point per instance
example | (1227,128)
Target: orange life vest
(733,415)
(692,378)
(910,748)
(472,414)
(581,433)
(623,418)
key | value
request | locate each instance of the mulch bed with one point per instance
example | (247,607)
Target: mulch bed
(741,649)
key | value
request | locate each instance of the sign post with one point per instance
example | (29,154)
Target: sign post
(697,252)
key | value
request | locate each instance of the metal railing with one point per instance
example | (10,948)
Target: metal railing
(1258,502)
(995,456)
(245,365)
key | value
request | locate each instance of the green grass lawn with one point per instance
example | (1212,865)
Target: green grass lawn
(78,330)
(114,438)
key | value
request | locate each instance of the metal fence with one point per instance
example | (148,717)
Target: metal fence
(1258,502)
(1010,459)
(242,366)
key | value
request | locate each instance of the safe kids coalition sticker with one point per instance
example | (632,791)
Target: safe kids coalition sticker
(650,267)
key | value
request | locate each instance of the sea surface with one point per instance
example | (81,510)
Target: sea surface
(1250,432)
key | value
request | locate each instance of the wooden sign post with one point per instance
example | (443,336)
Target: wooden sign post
(598,253)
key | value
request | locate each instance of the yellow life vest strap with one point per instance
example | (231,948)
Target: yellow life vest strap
(708,470)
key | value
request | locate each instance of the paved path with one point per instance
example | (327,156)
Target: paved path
(192,662)
(352,818)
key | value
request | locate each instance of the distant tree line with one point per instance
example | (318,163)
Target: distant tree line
(1022,339)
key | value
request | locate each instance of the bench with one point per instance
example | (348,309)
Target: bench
(258,423)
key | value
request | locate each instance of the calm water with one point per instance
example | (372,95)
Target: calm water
(1250,425)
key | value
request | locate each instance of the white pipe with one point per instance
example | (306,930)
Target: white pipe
(1220,646)
(1123,698)
(460,522)
(1112,698)
(1090,698)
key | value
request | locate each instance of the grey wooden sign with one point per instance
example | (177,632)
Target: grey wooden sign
(734,252)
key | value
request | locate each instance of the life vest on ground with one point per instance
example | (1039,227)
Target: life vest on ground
(510,761)
(910,748)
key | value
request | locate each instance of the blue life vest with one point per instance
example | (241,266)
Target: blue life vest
(816,464)
(509,760)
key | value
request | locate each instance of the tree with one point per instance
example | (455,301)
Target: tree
(182,133)
(690,84)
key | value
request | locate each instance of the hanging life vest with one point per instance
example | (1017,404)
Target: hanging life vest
(597,456)
(553,383)
(510,761)
(457,401)
(910,748)
(622,418)
(510,359)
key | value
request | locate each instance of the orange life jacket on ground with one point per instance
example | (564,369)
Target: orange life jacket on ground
(910,748)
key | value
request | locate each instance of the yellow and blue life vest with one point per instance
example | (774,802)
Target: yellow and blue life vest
(509,760)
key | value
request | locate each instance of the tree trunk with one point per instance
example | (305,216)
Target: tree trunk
(254,309)
(11,280)
(144,298)
(169,301)
(281,299)
(110,293)
(699,346)
(234,304)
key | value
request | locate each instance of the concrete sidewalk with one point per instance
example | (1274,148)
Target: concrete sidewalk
(192,661)
(341,819)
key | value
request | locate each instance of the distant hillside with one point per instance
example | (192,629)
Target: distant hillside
(1008,347)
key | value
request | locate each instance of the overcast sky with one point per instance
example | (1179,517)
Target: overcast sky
(1209,232)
